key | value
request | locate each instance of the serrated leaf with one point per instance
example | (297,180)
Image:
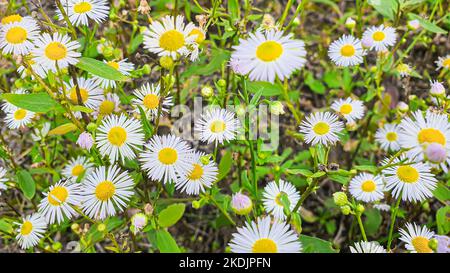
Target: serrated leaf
(170,215)
(36,102)
(26,183)
(63,129)
(100,69)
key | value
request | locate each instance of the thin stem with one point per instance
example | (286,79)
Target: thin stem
(361,226)
(392,224)
(305,194)
(225,213)
(286,11)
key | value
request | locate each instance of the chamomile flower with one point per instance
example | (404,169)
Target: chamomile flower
(170,37)
(91,95)
(55,51)
(367,247)
(122,66)
(106,191)
(267,55)
(31,230)
(17,38)
(413,180)
(77,167)
(119,137)
(321,128)
(3,180)
(148,97)
(380,37)
(16,18)
(419,134)
(367,187)
(388,137)
(166,158)
(108,105)
(443,62)
(80,11)
(416,238)
(347,51)
(217,125)
(273,194)
(18,118)
(350,109)
(56,206)
(263,236)
(200,176)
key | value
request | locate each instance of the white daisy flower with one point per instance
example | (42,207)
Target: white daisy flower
(148,97)
(350,109)
(106,191)
(3,180)
(91,94)
(416,238)
(16,18)
(170,37)
(56,206)
(34,67)
(367,247)
(199,177)
(273,193)
(388,137)
(367,187)
(443,62)
(119,137)
(413,179)
(31,230)
(347,51)
(57,50)
(108,105)
(17,38)
(122,66)
(321,128)
(18,118)
(80,11)
(77,167)
(265,56)
(217,125)
(380,37)
(263,237)
(423,135)
(166,158)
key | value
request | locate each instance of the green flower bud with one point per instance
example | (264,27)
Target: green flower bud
(360,208)
(207,91)
(350,23)
(433,244)
(196,204)
(221,83)
(146,69)
(166,62)
(108,51)
(346,210)
(101,227)
(57,246)
(91,127)
(340,198)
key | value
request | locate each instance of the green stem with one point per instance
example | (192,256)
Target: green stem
(361,226)
(305,194)
(392,224)
(224,212)
(286,11)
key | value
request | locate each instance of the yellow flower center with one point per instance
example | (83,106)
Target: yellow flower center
(113,64)
(106,107)
(26,229)
(378,36)
(391,136)
(56,51)
(420,244)
(11,19)
(168,156)
(348,50)
(82,7)
(346,109)
(196,173)
(321,128)
(171,40)
(57,196)
(269,51)
(368,186)
(105,190)
(117,136)
(16,35)
(151,101)
(446,63)
(74,98)
(200,36)
(407,174)
(218,126)
(431,135)
(264,245)
(77,170)
(20,114)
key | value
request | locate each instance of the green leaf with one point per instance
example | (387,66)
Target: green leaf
(36,102)
(316,245)
(170,215)
(367,168)
(332,79)
(339,178)
(267,89)
(100,69)
(81,108)
(315,85)
(135,43)
(225,166)
(304,172)
(387,8)
(442,193)
(26,183)
(233,9)
(373,221)
(6,227)
(442,220)
(215,64)
(432,27)
(165,242)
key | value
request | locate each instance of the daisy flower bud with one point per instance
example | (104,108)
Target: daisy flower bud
(435,152)
(148,209)
(437,88)
(340,198)
(350,23)
(413,24)
(402,107)
(366,42)
(101,227)
(351,126)
(346,210)
(138,222)
(221,83)
(433,244)
(207,91)
(443,244)
(360,208)
(166,62)
(404,70)
(241,204)
(85,141)
(276,108)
